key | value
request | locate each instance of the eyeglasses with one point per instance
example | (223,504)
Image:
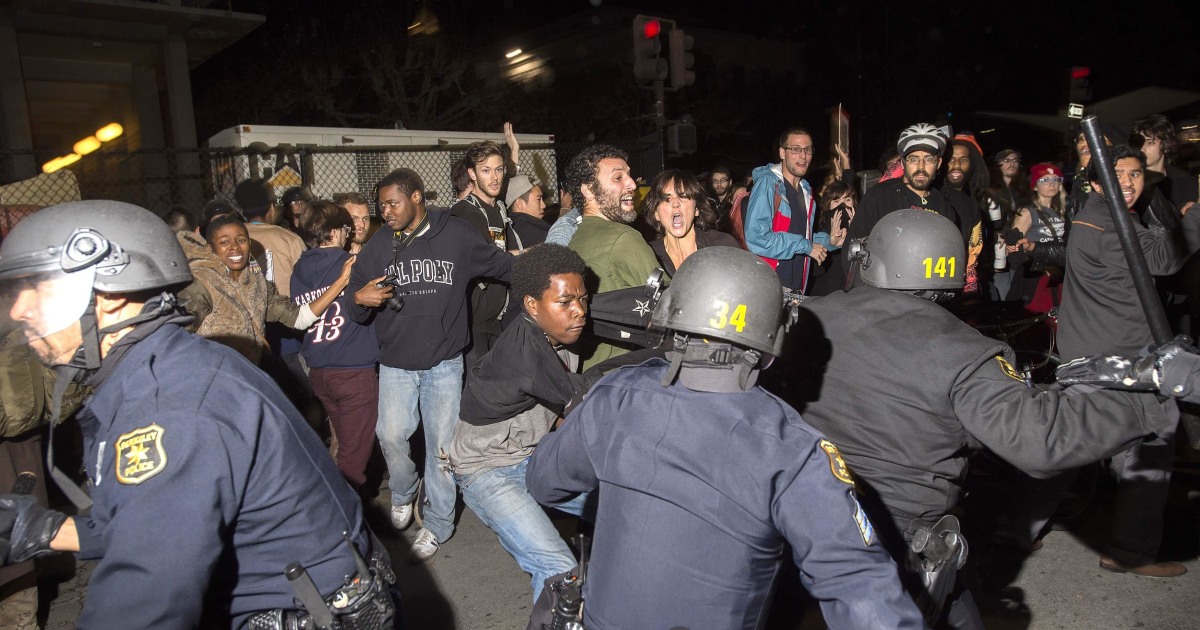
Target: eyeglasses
(1011,160)
(916,160)
(1050,180)
(799,150)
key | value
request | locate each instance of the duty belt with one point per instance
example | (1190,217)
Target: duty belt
(362,603)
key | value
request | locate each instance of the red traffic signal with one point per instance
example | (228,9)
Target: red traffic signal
(651,29)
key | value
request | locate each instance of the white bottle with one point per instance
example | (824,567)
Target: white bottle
(1001,261)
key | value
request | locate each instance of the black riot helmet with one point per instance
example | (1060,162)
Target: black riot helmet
(913,250)
(728,294)
(55,260)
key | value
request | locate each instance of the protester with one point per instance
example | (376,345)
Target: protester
(1038,286)
(781,210)
(412,286)
(513,398)
(616,255)
(231,304)
(683,217)
(340,352)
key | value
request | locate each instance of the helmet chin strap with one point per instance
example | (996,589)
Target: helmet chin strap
(83,364)
(934,295)
(718,366)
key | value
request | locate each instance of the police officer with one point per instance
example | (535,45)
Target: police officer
(705,476)
(206,481)
(909,391)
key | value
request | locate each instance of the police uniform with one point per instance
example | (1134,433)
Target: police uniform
(206,483)
(909,392)
(700,493)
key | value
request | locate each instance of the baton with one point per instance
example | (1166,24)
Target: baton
(1153,309)
(308,595)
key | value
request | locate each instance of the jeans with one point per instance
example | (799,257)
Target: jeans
(499,498)
(437,392)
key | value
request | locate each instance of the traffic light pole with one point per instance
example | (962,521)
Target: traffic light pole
(660,122)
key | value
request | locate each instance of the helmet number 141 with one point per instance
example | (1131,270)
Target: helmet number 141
(940,268)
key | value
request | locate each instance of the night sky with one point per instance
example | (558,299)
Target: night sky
(892,64)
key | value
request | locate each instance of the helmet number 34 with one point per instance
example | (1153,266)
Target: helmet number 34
(940,267)
(723,318)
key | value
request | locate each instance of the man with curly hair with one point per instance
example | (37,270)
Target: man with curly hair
(616,254)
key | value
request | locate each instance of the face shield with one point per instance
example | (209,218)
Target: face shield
(42,303)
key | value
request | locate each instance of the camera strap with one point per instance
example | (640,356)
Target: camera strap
(401,241)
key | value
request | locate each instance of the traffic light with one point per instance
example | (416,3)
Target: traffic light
(1081,85)
(681,138)
(681,59)
(648,65)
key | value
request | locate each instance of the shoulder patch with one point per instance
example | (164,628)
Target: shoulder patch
(140,455)
(837,465)
(864,524)
(1008,369)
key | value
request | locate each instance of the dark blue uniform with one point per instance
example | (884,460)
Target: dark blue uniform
(207,483)
(699,491)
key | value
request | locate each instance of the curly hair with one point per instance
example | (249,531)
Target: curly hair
(532,270)
(584,168)
(687,187)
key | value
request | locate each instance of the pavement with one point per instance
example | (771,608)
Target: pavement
(473,584)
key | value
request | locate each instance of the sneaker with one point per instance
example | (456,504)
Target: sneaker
(402,516)
(424,546)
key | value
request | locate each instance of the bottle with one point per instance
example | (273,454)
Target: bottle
(1001,261)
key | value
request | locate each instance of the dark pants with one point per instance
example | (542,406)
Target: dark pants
(351,397)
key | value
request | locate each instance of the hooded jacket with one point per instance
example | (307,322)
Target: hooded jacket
(335,340)
(434,273)
(775,246)
(234,312)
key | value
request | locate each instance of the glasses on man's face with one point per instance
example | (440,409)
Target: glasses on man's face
(720,180)
(799,150)
(917,160)
(1050,180)
(1011,160)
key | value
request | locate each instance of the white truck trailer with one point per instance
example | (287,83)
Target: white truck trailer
(331,160)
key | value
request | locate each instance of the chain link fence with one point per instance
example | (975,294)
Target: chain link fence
(159,179)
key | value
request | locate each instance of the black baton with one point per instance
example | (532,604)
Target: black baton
(308,594)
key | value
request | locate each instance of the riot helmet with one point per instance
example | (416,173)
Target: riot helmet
(725,293)
(54,260)
(913,250)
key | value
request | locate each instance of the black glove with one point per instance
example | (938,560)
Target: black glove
(1137,374)
(26,528)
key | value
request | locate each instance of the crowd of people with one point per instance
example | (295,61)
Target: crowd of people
(472,322)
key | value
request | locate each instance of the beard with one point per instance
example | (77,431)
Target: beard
(962,179)
(609,203)
(926,185)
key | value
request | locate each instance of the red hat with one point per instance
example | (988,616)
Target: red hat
(1039,171)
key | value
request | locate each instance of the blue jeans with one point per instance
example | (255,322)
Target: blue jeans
(499,498)
(437,391)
